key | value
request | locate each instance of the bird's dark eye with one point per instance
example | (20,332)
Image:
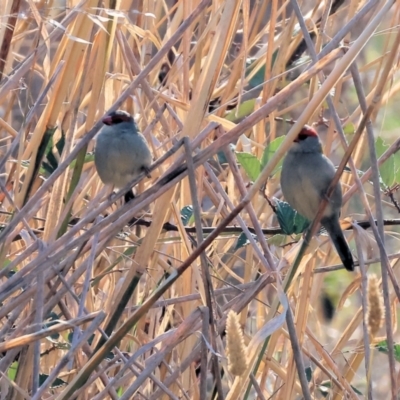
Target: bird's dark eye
(302,136)
(117,120)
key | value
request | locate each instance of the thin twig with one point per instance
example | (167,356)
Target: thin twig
(203,361)
(364,284)
(385,265)
(297,354)
(170,227)
(208,288)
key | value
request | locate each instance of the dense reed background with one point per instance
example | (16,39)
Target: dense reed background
(105,300)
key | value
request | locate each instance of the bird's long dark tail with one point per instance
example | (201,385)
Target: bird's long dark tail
(335,232)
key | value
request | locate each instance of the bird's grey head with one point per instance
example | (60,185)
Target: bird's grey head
(307,141)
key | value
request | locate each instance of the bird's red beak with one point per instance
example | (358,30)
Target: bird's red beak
(107,120)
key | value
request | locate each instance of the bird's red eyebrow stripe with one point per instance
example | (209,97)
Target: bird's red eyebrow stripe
(308,131)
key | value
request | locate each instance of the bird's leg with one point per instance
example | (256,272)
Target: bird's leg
(146,170)
(129,195)
(324,196)
(111,194)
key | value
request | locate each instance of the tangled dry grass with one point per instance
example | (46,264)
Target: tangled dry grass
(101,299)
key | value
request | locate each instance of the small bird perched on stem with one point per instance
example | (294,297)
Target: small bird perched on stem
(305,178)
(121,153)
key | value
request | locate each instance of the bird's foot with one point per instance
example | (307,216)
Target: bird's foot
(129,195)
(326,197)
(146,170)
(111,196)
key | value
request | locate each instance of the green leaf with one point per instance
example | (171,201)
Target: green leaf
(383,348)
(89,157)
(61,144)
(91,338)
(324,388)
(12,371)
(243,241)
(10,273)
(44,150)
(70,336)
(52,161)
(55,384)
(270,150)
(349,129)
(308,372)
(6,262)
(51,164)
(127,253)
(221,154)
(277,240)
(250,164)
(397,352)
(300,223)
(49,146)
(244,109)
(387,169)
(222,158)
(52,319)
(290,220)
(396,158)
(356,390)
(47,169)
(258,78)
(186,215)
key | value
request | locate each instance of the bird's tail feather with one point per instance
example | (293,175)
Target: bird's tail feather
(335,232)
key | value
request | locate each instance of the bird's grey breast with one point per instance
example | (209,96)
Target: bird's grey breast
(305,179)
(120,155)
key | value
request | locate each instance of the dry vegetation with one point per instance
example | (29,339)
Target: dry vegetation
(156,277)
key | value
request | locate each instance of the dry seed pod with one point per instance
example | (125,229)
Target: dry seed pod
(376,310)
(235,347)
